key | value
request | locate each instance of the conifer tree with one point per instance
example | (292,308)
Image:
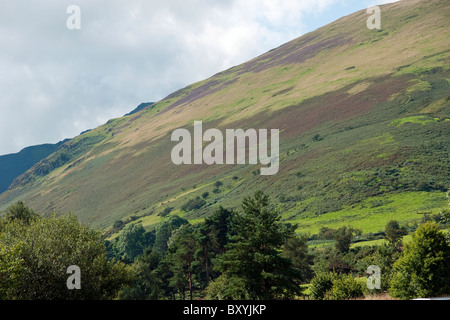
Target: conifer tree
(254,254)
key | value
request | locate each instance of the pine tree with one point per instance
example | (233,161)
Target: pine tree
(182,248)
(254,254)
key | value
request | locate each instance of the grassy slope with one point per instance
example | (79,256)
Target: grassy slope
(379,100)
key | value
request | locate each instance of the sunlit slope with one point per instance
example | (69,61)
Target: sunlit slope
(363,114)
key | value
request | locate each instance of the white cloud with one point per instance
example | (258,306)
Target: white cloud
(55,82)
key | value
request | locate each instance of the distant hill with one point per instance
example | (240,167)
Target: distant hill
(13,165)
(364,120)
(140,107)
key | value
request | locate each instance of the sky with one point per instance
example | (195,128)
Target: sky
(57,81)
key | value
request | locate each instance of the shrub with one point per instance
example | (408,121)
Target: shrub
(345,287)
(321,284)
(193,204)
(205,195)
(118,224)
(317,137)
(166,211)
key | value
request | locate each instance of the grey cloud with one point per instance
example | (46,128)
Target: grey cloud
(55,82)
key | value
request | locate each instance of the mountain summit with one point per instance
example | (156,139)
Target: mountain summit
(364,126)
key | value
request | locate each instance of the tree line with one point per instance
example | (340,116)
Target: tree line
(248,255)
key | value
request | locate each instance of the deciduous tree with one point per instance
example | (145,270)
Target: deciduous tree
(423,270)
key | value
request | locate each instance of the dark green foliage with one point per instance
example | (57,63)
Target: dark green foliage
(296,250)
(343,237)
(423,268)
(317,137)
(118,224)
(394,233)
(321,284)
(181,257)
(385,257)
(444,216)
(220,225)
(326,233)
(212,237)
(164,232)
(251,250)
(253,253)
(131,242)
(193,204)
(148,283)
(20,212)
(166,212)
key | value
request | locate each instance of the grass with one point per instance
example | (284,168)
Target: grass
(419,85)
(423,120)
(402,207)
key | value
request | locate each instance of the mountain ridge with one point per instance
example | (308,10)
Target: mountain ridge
(14,164)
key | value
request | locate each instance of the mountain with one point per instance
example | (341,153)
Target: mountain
(140,107)
(363,119)
(15,164)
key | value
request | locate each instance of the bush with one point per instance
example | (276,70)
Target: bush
(205,195)
(118,224)
(333,286)
(317,137)
(345,287)
(193,204)
(321,284)
(166,212)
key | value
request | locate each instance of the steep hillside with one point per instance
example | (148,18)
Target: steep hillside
(15,164)
(364,133)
